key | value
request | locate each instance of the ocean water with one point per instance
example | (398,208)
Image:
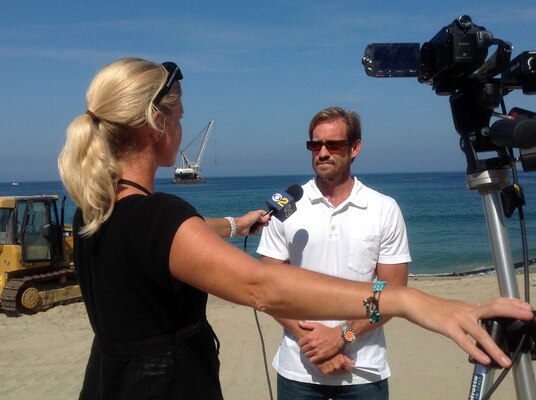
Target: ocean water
(445,221)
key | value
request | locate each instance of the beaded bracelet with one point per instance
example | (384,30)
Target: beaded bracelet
(233,226)
(372,304)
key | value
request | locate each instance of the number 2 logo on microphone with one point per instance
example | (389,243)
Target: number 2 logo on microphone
(279,199)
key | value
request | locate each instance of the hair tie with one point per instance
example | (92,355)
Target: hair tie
(96,120)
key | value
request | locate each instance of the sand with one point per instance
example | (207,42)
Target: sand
(43,356)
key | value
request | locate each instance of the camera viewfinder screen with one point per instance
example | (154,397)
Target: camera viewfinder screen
(392,59)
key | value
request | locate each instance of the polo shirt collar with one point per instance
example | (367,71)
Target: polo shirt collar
(356,198)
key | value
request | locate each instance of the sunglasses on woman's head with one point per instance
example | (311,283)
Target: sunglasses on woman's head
(174,74)
(331,145)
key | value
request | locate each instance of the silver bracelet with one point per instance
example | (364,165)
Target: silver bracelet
(232,222)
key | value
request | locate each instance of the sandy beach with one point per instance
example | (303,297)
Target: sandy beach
(43,356)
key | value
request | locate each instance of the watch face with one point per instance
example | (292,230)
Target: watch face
(348,334)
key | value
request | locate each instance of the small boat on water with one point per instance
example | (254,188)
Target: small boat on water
(14,183)
(188,171)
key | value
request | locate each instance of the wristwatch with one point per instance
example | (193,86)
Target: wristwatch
(347,333)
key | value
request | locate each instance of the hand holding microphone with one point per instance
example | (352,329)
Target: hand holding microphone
(245,224)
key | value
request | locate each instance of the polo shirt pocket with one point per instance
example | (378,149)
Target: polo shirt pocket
(363,255)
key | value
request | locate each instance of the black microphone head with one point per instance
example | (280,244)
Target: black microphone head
(518,133)
(283,204)
(525,134)
(295,191)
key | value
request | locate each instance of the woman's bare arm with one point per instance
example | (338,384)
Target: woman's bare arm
(200,258)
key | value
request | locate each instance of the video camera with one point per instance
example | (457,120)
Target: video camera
(449,59)
(455,62)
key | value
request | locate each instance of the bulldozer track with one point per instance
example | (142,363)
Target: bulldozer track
(10,295)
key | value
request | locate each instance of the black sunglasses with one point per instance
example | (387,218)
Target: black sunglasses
(331,145)
(174,74)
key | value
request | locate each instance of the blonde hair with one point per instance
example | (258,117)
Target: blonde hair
(119,100)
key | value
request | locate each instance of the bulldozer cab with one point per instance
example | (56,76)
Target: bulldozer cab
(36,268)
(32,222)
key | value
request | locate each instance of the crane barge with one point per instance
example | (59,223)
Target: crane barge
(188,171)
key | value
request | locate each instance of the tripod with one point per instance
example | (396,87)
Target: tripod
(489,184)
(455,63)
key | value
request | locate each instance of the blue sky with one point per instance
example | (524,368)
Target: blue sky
(261,68)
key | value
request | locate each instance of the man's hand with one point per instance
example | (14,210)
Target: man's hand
(335,365)
(321,342)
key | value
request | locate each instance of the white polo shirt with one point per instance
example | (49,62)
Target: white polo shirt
(345,241)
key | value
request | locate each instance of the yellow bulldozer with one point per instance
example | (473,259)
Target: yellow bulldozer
(36,266)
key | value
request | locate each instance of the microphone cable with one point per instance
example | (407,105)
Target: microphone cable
(295,193)
(261,336)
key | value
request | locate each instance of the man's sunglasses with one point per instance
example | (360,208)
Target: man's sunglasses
(331,145)
(174,74)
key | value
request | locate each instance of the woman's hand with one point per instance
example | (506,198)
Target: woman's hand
(460,321)
(251,223)
(248,224)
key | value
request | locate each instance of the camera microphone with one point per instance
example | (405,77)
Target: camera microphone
(282,204)
(518,133)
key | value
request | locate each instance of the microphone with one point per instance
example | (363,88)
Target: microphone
(519,133)
(282,204)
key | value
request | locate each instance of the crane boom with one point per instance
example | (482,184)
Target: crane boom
(204,144)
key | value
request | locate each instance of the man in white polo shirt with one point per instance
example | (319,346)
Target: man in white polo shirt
(348,230)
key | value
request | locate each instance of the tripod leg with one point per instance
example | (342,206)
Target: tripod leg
(489,185)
